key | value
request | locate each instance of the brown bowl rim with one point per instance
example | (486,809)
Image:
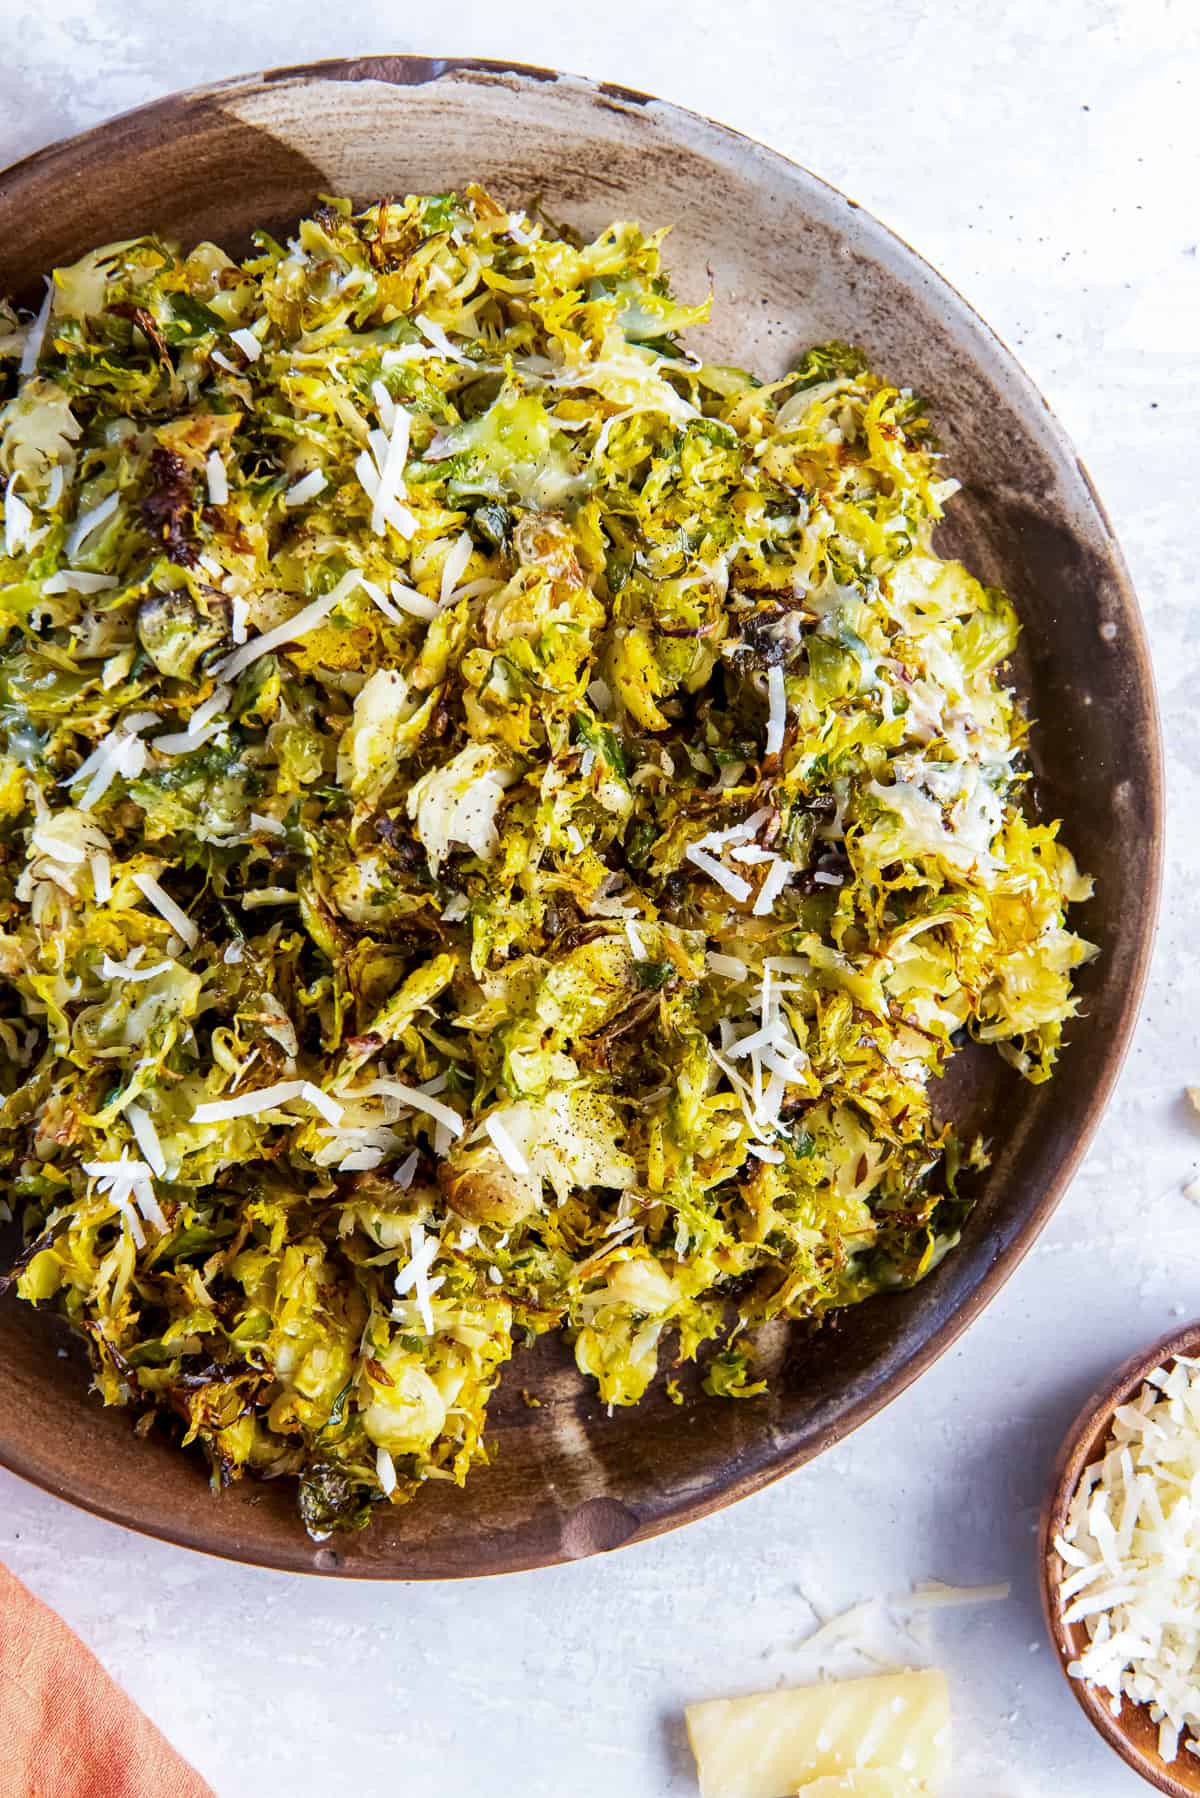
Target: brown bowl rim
(404,70)
(1080,1448)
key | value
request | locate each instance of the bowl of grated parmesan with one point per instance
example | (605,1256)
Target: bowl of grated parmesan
(1120,1560)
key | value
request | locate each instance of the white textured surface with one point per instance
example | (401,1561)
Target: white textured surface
(1046,158)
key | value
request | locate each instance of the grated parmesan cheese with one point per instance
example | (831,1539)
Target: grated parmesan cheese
(146,1137)
(77,580)
(777,709)
(19,533)
(88,523)
(733,884)
(166,908)
(417,1100)
(130,968)
(385,1470)
(404,1174)
(414,603)
(128,1186)
(205,723)
(216,479)
(415,1276)
(380,467)
(306,488)
(269,1098)
(778,875)
(248,343)
(306,619)
(100,864)
(506,1148)
(454,567)
(121,752)
(1131,1553)
(434,335)
(37,335)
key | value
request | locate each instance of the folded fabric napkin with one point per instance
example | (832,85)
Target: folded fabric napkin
(66,1729)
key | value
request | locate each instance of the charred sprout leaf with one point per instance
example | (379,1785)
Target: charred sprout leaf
(502,825)
(329,1500)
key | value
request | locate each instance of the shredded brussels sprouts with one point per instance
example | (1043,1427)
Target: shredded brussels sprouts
(500,823)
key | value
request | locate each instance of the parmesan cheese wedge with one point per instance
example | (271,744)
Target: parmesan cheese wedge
(768,1745)
(869,1783)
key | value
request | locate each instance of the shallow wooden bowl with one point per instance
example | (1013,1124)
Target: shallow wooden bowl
(1132,1734)
(791,262)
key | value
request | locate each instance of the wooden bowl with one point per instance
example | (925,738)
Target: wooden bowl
(1132,1734)
(791,262)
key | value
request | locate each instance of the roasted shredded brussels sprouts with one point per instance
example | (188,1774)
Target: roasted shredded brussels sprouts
(500,822)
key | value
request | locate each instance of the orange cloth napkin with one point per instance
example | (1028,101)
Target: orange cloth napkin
(66,1729)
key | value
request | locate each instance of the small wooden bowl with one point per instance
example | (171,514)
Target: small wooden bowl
(1132,1734)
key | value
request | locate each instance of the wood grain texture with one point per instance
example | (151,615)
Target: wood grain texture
(790,262)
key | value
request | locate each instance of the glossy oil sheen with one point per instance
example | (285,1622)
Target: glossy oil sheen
(790,262)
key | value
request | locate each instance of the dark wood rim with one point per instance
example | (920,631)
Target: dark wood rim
(1132,1734)
(778,1459)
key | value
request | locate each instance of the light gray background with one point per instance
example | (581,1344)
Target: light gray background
(1046,157)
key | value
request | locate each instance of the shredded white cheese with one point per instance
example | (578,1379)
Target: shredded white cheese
(305,620)
(166,908)
(378,597)
(129,1187)
(306,488)
(37,335)
(730,967)
(146,1137)
(454,566)
(77,580)
(737,888)
(1131,1548)
(101,866)
(88,523)
(777,712)
(205,723)
(506,1148)
(269,1098)
(380,467)
(19,533)
(247,342)
(417,1100)
(415,1276)
(405,1173)
(778,875)
(434,334)
(385,1470)
(130,968)
(216,479)
(121,752)
(412,602)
